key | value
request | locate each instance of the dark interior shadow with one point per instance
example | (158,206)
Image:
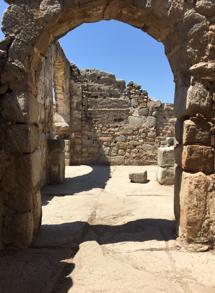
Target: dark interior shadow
(97,178)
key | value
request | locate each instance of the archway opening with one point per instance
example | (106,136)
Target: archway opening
(22,53)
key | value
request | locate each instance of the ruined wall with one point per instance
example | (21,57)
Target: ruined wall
(118,124)
(187,30)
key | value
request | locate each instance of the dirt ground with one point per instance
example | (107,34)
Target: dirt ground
(102,234)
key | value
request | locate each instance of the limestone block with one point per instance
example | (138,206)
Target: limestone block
(56,161)
(21,138)
(19,107)
(193,199)
(18,188)
(166,157)
(192,100)
(138,177)
(165,176)
(18,229)
(195,158)
(136,121)
(196,132)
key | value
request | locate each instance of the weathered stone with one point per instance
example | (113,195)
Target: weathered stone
(22,138)
(56,161)
(193,158)
(166,157)
(165,176)
(32,27)
(136,121)
(17,229)
(193,192)
(151,121)
(19,107)
(138,177)
(196,132)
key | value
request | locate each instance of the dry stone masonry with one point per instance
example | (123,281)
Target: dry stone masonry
(115,123)
(187,31)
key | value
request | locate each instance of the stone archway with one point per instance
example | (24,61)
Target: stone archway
(186,28)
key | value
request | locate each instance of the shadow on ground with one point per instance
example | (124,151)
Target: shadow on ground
(97,178)
(35,270)
(78,232)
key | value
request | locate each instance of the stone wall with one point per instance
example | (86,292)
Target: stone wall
(187,31)
(53,99)
(117,124)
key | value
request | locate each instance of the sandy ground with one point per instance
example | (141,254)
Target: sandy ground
(103,234)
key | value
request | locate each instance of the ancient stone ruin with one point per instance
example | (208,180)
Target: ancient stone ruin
(30,64)
(113,123)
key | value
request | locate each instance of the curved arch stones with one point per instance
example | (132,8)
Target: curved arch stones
(187,30)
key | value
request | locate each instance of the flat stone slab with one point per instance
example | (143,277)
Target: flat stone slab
(139,177)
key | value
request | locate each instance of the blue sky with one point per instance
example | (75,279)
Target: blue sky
(121,49)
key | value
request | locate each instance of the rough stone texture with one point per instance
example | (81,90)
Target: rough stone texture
(166,156)
(138,177)
(166,161)
(197,224)
(195,157)
(186,28)
(115,123)
(166,175)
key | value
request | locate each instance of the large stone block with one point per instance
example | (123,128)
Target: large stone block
(17,228)
(56,161)
(196,132)
(21,138)
(20,107)
(165,176)
(136,121)
(195,158)
(197,214)
(166,157)
(192,100)
(20,178)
